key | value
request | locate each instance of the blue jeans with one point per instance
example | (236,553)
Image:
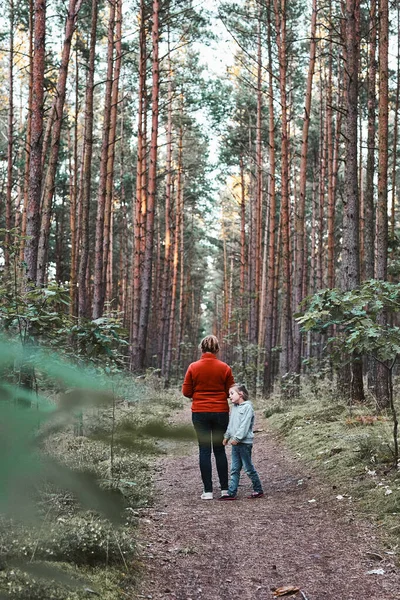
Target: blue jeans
(241,457)
(210,428)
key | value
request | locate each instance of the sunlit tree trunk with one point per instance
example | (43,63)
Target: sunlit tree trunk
(140,195)
(163,342)
(175,263)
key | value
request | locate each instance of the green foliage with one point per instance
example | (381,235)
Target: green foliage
(41,316)
(356,314)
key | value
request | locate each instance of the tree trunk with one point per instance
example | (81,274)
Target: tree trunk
(99,275)
(382,381)
(300,208)
(35,163)
(369,212)
(10,142)
(111,149)
(73,9)
(350,252)
(280,15)
(140,197)
(87,171)
(146,280)
(270,295)
(28,137)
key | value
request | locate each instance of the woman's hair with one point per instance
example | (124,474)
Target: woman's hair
(240,387)
(209,344)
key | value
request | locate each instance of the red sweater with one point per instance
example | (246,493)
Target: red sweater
(207,382)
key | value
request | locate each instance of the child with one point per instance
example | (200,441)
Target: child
(240,432)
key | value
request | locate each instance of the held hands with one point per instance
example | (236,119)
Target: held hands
(233,442)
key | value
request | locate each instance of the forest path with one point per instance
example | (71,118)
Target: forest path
(193,549)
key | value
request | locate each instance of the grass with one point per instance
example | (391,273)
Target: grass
(351,448)
(82,544)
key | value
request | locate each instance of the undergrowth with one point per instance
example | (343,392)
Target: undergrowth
(351,446)
(92,552)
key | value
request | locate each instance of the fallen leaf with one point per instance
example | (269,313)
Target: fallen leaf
(285,590)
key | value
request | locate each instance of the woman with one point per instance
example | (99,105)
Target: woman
(207,383)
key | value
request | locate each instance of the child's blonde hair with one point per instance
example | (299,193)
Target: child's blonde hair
(240,387)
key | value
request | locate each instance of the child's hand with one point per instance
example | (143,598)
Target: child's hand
(224,442)
(234,443)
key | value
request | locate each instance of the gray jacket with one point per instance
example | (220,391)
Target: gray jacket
(241,421)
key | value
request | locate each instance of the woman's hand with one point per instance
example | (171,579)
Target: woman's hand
(224,442)
(234,443)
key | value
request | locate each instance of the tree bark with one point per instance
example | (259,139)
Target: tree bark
(350,251)
(99,275)
(35,163)
(300,212)
(87,171)
(146,280)
(73,9)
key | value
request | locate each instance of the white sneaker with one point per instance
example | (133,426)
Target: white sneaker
(224,493)
(207,496)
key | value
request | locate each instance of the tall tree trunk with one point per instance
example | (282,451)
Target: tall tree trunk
(73,9)
(172,319)
(280,15)
(331,194)
(35,163)
(382,381)
(73,220)
(270,295)
(87,170)
(111,145)
(300,208)
(10,141)
(99,275)
(140,197)
(167,235)
(146,279)
(350,252)
(369,212)
(28,136)
(395,132)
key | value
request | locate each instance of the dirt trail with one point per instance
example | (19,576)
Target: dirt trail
(209,550)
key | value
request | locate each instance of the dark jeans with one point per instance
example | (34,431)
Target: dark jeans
(210,428)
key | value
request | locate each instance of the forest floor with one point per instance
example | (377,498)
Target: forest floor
(300,534)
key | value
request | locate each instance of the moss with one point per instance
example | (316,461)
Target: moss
(352,450)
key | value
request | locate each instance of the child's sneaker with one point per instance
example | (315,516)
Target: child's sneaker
(224,493)
(207,496)
(227,497)
(255,495)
